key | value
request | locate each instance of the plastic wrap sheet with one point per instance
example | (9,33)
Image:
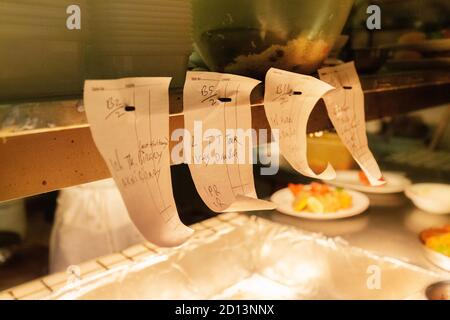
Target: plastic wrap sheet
(258,260)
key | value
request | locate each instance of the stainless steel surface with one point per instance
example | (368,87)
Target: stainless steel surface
(389,227)
(255,259)
(438,291)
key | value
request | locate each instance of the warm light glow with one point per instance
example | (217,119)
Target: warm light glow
(318,134)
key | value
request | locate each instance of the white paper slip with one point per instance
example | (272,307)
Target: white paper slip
(129,120)
(217,114)
(345,107)
(289,99)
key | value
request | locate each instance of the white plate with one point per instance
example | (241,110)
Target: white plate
(349,179)
(283,199)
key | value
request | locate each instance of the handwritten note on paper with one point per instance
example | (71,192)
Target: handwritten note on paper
(345,106)
(129,120)
(217,113)
(288,101)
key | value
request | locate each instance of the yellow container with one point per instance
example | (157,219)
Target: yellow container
(328,148)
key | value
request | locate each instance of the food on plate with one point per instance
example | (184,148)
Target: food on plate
(295,188)
(437,239)
(319,198)
(364,180)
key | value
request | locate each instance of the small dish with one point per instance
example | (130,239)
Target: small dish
(430,197)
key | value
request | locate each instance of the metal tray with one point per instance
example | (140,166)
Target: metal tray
(252,258)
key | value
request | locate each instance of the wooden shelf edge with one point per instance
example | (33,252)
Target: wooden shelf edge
(40,161)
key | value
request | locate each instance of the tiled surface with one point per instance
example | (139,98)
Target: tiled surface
(143,256)
(55,280)
(42,288)
(26,289)
(59,286)
(134,251)
(113,260)
(89,268)
(150,246)
(38,295)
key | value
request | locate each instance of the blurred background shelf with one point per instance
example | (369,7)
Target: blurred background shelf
(47,145)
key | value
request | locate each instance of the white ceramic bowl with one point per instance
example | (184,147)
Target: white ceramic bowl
(430,197)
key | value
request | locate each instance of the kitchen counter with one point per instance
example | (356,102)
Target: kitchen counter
(390,227)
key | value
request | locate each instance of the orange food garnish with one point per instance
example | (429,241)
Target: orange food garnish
(325,188)
(316,188)
(363,178)
(432,232)
(295,188)
(319,188)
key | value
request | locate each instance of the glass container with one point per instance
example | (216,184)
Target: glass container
(248,37)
